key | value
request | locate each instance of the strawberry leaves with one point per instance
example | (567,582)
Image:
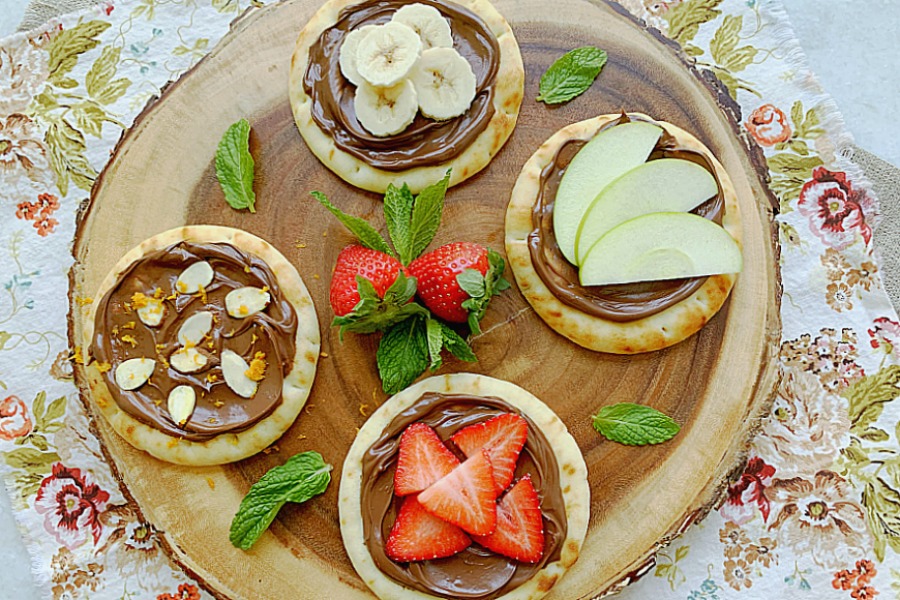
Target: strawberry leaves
(374,313)
(482,288)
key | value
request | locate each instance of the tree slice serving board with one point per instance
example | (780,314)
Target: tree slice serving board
(717,383)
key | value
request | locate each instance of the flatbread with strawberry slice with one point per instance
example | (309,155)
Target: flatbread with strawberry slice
(551,470)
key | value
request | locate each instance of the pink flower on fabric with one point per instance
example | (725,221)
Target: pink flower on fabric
(748,494)
(768,125)
(71,504)
(14,419)
(885,334)
(836,212)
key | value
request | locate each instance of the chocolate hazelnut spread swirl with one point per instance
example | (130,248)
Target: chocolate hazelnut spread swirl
(474,572)
(119,335)
(623,302)
(425,142)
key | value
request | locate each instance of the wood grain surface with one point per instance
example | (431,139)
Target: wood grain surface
(716,383)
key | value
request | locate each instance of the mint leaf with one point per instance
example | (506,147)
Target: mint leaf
(367,235)
(373,313)
(234,167)
(402,354)
(398,210)
(634,424)
(571,75)
(435,342)
(457,345)
(482,289)
(303,476)
(426,215)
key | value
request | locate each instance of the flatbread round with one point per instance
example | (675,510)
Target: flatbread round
(226,447)
(572,481)
(655,332)
(508,93)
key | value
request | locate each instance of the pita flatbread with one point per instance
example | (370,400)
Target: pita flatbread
(572,480)
(508,94)
(226,447)
(655,332)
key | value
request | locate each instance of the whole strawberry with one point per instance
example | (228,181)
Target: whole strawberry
(379,268)
(457,280)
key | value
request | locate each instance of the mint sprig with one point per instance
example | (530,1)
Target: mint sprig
(303,476)
(634,424)
(482,288)
(373,313)
(367,234)
(571,75)
(235,167)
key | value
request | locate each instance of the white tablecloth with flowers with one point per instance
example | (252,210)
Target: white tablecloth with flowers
(816,513)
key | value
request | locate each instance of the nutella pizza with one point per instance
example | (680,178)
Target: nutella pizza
(387,91)
(202,347)
(632,251)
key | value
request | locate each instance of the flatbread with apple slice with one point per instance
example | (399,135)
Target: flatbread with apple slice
(508,92)
(230,446)
(571,473)
(647,334)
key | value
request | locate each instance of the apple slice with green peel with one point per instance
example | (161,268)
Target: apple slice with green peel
(658,246)
(608,155)
(664,185)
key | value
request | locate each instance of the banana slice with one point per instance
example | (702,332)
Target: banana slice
(427,21)
(385,111)
(387,54)
(349,51)
(444,82)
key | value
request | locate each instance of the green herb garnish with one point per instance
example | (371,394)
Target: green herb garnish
(234,167)
(571,75)
(303,476)
(634,424)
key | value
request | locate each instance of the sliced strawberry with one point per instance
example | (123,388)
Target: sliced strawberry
(503,437)
(423,460)
(466,497)
(418,535)
(520,527)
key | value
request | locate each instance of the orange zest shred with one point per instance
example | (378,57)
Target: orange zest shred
(211,483)
(82,300)
(212,377)
(158,293)
(103,367)
(129,339)
(77,357)
(202,294)
(257,369)
(139,300)
(129,325)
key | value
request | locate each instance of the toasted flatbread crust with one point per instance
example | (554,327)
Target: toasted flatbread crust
(226,447)
(508,94)
(644,335)
(572,480)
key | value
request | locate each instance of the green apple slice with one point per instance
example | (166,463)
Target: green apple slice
(665,185)
(608,155)
(658,246)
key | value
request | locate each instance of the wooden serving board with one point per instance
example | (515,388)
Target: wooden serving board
(716,383)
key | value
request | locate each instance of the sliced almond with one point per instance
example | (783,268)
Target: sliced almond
(198,275)
(134,372)
(152,312)
(246,301)
(188,360)
(195,328)
(181,403)
(234,368)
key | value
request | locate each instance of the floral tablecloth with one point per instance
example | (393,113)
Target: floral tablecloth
(816,514)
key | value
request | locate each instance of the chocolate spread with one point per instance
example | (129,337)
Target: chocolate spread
(622,302)
(120,335)
(425,142)
(475,572)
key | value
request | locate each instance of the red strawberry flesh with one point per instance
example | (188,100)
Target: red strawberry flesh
(379,268)
(422,460)
(466,496)
(418,535)
(503,437)
(436,273)
(520,527)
